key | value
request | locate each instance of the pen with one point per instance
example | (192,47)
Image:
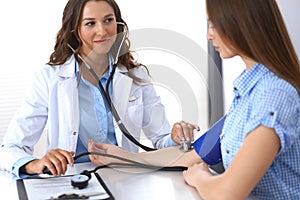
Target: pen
(77,196)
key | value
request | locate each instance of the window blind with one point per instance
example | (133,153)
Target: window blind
(12,90)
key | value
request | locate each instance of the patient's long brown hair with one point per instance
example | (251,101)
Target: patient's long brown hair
(256,29)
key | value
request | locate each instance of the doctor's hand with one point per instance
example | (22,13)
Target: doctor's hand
(55,160)
(106,149)
(183,131)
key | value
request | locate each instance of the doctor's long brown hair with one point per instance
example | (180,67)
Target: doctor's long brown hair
(68,35)
(256,29)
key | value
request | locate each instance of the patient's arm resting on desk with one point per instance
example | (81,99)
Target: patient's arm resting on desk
(167,157)
(171,156)
(206,148)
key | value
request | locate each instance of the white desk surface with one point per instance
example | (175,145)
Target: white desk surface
(124,185)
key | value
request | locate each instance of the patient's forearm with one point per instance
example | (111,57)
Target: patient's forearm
(171,156)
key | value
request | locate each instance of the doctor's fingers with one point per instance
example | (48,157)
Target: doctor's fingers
(57,160)
(183,131)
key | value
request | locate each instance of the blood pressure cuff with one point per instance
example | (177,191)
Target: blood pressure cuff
(208,146)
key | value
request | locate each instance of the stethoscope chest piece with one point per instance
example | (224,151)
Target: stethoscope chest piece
(80,181)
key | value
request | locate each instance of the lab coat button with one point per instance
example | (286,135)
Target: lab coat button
(74,133)
(227,151)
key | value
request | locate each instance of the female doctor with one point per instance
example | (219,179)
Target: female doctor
(66,96)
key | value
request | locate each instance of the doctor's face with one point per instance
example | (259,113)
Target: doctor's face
(97,28)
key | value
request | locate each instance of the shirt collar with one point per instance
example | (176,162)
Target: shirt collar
(249,78)
(66,70)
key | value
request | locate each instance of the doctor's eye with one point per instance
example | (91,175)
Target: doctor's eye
(90,23)
(109,20)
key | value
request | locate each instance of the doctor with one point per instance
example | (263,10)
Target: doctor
(66,96)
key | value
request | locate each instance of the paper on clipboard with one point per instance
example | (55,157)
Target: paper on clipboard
(52,187)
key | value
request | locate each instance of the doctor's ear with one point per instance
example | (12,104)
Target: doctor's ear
(75,35)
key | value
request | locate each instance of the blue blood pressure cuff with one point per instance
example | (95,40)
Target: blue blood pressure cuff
(208,146)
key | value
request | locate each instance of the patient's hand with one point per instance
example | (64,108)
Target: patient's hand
(106,149)
(197,174)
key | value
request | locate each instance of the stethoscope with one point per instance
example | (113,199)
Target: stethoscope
(105,91)
(80,181)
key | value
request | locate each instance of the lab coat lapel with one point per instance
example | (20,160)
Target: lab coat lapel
(68,92)
(121,91)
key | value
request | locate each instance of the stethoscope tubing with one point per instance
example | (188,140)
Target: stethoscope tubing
(106,93)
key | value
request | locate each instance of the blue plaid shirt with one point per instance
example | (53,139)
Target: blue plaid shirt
(262,98)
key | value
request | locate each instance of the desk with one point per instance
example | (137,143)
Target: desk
(124,185)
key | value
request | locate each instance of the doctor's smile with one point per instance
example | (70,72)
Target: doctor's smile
(104,41)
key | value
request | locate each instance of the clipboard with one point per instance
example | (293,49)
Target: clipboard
(44,188)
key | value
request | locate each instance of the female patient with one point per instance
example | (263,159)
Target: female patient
(260,139)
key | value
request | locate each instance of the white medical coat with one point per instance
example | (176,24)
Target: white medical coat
(53,100)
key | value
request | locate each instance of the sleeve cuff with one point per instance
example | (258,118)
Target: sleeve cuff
(21,162)
(169,142)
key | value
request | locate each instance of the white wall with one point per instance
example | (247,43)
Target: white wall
(233,67)
(27,36)
(29,29)
(186,19)
(290,12)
